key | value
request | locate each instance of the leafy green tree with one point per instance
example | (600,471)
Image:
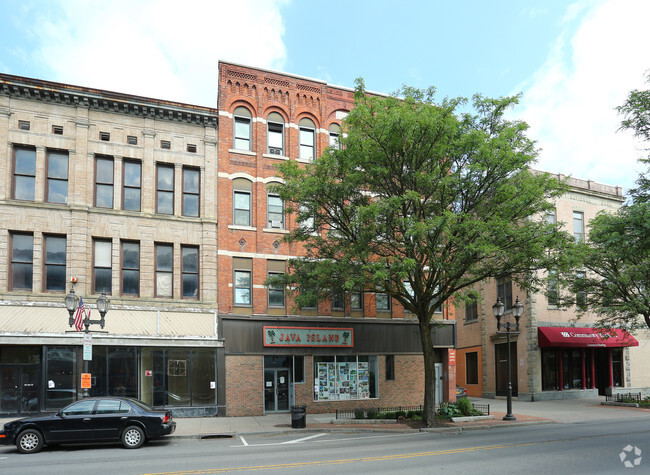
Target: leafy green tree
(420,203)
(617,254)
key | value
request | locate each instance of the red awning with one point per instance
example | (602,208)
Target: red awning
(584,337)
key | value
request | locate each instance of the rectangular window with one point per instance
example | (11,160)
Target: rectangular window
(132,140)
(164,270)
(132,184)
(55,259)
(242,208)
(504,291)
(334,140)
(22,261)
(57,177)
(165,144)
(306,143)
(356,301)
(578,226)
(104,182)
(581,297)
(242,133)
(24,173)
(24,125)
(275,212)
(165,189)
(104,136)
(57,129)
(191,189)
(243,288)
(383,302)
(471,367)
(190,271)
(551,216)
(276,293)
(130,268)
(471,310)
(191,147)
(102,266)
(275,138)
(338,301)
(345,377)
(552,289)
(390,367)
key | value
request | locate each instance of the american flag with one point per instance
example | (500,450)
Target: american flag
(79,316)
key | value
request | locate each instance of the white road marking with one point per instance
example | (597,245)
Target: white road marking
(243,440)
(297,441)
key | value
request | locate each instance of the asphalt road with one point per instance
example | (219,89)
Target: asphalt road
(591,447)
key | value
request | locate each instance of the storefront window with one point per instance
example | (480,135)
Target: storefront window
(549,370)
(345,377)
(572,369)
(203,371)
(617,366)
(60,380)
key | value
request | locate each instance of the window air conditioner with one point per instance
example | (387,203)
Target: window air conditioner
(275,151)
(276,224)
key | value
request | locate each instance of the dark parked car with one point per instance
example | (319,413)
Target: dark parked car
(98,419)
(460,392)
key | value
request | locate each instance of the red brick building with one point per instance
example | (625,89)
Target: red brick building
(357,350)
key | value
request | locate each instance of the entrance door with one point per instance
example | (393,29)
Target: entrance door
(501,357)
(19,389)
(276,390)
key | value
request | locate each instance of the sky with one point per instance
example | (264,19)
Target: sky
(572,62)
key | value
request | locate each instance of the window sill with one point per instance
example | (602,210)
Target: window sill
(275,230)
(241,228)
(243,152)
(304,160)
(275,157)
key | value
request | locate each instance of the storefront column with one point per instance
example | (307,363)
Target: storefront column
(584,373)
(560,371)
(609,368)
(593,369)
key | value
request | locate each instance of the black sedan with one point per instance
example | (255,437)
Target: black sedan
(98,419)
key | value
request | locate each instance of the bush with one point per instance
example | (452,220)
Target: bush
(465,406)
(371,413)
(359,414)
(389,415)
(399,414)
(448,410)
(413,414)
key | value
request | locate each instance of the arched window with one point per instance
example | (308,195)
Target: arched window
(335,134)
(242,126)
(307,139)
(242,202)
(275,134)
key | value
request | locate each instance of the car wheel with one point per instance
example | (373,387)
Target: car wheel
(29,441)
(133,437)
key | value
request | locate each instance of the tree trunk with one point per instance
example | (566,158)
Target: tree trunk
(429,415)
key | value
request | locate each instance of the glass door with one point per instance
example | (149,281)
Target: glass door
(19,389)
(276,390)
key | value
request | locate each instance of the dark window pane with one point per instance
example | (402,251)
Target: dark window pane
(102,280)
(55,277)
(55,253)
(276,298)
(190,259)
(190,285)
(131,255)
(164,258)
(131,282)
(22,276)
(23,248)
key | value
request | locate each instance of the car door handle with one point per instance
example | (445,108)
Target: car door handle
(123,418)
(87,419)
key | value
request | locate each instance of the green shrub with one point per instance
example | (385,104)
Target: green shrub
(412,414)
(389,415)
(371,413)
(416,417)
(448,410)
(399,414)
(359,414)
(465,406)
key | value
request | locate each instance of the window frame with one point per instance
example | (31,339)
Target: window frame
(106,184)
(273,120)
(274,289)
(269,222)
(579,236)
(307,125)
(95,266)
(249,287)
(163,191)
(472,380)
(504,290)
(47,264)
(187,194)
(471,310)
(50,179)
(128,163)
(236,211)
(355,307)
(13,262)
(157,271)
(129,269)
(246,118)
(388,302)
(17,177)
(552,289)
(334,131)
(184,272)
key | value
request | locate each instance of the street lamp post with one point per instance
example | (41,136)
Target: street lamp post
(72,304)
(517,311)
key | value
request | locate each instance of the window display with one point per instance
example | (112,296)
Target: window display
(344,378)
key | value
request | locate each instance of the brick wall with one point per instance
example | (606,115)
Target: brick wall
(244,391)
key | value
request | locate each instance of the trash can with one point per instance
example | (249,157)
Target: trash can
(298,417)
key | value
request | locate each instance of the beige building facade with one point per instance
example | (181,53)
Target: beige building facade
(555,355)
(113,192)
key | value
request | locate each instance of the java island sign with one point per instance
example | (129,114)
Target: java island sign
(308,336)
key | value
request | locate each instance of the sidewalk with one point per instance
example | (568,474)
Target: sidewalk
(540,412)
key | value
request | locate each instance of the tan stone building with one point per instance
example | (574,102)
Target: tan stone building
(117,192)
(555,355)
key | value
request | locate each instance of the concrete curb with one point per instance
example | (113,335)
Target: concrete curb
(472,418)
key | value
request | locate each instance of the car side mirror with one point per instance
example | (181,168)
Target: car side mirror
(59,413)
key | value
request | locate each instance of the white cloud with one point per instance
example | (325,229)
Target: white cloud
(157,48)
(570,101)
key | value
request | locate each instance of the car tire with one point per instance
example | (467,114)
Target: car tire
(133,437)
(29,441)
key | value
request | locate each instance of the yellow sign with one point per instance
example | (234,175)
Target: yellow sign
(85,380)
